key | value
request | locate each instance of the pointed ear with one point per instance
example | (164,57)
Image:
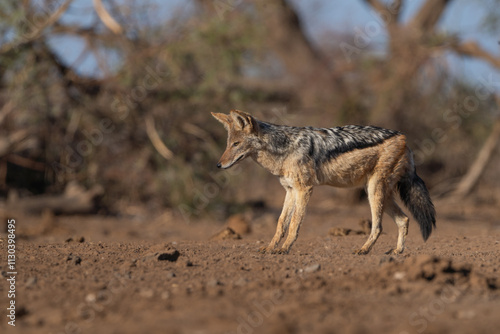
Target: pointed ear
(223,118)
(244,121)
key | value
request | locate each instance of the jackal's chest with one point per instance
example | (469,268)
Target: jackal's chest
(271,163)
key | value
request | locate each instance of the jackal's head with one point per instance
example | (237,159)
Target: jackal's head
(243,132)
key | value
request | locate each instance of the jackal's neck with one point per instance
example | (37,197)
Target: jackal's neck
(273,148)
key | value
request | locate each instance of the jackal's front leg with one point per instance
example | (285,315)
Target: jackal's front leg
(283,222)
(301,199)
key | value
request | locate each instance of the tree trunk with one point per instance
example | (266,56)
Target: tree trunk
(408,50)
(286,39)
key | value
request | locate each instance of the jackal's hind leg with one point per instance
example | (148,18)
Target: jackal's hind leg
(376,194)
(402,221)
(283,222)
(301,199)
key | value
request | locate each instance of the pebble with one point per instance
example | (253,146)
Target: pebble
(312,268)
(399,275)
(31,281)
(90,298)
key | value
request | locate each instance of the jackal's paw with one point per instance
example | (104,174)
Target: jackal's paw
(280,251)
(361,251)
(266,249)
(393,251)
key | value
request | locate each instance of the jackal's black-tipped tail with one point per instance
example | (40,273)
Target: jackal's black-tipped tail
(416,197)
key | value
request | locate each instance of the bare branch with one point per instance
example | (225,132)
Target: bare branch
(75,199)
(377,5)
(76,30)
(156,140)
(25,162)
(472,49)
(106,18)
(395,8)
(389,13)
(6,110)
(202,134)
(429,14)
(286,38)
(8,143)
(37,32)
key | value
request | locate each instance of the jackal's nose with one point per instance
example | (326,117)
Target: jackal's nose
(219,165)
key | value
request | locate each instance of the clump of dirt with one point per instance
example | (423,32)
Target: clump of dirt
(239,224)
(441,271)
(164,252)
(236,226)
(226,234)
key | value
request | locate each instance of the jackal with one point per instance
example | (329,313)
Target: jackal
(346,156)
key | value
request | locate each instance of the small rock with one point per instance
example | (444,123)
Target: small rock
(31,281)
(170,274)
(312,268)
(69,239)
(189,264)
(90,298)
(81,239)
(169,256)
(399,275)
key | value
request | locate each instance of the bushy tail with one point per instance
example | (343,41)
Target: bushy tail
(416,197)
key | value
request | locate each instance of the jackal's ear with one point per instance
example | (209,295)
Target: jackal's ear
(244,121)
(223,118)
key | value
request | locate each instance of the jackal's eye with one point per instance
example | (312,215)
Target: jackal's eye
(236,143)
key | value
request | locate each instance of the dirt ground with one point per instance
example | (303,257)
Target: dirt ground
(141,273)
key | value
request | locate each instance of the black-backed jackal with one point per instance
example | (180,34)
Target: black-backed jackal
(347,156)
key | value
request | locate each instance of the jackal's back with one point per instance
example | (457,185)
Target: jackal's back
(324,144)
